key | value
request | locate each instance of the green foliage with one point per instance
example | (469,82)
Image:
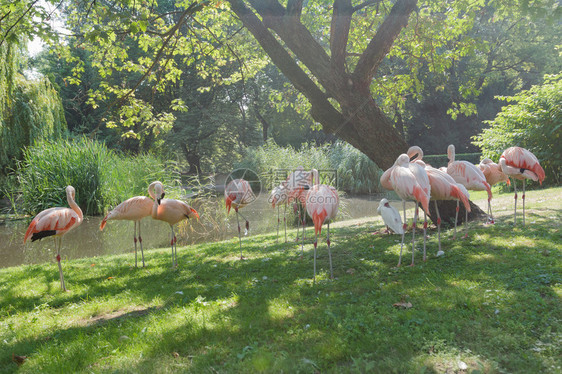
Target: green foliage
(102,178)
(30,110)
(356,172)
(534,122)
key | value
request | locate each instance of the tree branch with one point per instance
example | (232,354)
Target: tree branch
(18,21)
(299,40)
(294,8)
(365,4)
(381,43)
(322,110)
(339,34)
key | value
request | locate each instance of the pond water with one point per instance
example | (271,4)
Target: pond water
(88,241)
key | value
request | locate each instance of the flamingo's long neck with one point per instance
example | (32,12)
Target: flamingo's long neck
(451,153)
(72,204)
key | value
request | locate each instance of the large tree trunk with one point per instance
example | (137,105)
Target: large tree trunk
(358,120)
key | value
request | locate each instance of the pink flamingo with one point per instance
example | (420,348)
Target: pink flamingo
(238,193)
(133,209)
(322,204)
(279,196)
(493,174)
(56,222)
(443,187)
(410,182)
(171,211)
(471,177)
(298,183)
(520,163)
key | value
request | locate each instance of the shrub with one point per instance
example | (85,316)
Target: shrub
(533,122)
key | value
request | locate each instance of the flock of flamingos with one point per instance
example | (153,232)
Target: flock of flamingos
(411,179)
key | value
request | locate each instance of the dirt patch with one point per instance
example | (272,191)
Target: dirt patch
(134,312)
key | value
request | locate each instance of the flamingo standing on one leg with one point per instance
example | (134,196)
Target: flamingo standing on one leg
(56,222)
(322,204)
(238,193)
(298,184)
(410,182)
(494,175)
(279,196)
(519,163)
(171,211)
(471,177)
(390,216)
(133,209)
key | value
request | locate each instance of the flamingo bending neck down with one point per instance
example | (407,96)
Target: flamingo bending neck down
(171,211)
(56,222)
(298,184)
(494,175)
(134,209)
(469,176)
(322,204)
(520,163)
(238,193)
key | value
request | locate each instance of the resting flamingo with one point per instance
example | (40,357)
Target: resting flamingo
(322,204)
(493,174)
(410,182)
(133,209)
(279,196)
(298,183)
(238,193)
(471,177)
(171,211)
(56,222)
(519,163)
(390,216)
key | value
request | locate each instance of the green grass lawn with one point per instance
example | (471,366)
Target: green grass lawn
(492,303)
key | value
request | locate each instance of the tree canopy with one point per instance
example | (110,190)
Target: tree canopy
(373,73)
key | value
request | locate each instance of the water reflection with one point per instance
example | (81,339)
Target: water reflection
(88,241)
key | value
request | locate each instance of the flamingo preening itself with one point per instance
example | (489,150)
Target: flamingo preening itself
(494,175)
(298,184)
(410,182)
(519,163)
(56,222)
(322,204)
(170,211)
(471,177)
(238,193)
(134,209)
(279,196)
(390,216)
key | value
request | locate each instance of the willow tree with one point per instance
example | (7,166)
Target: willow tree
(30,110)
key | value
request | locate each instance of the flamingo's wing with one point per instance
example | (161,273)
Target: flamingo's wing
(53,221)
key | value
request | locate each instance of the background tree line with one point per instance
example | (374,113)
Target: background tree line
(193,82)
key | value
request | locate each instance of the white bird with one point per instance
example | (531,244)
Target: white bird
(390,216)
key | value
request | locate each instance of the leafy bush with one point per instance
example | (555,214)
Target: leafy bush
(356,172)
(102,178)
(533,122)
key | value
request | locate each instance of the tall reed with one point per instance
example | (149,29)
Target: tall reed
(356,173)
(101,177)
